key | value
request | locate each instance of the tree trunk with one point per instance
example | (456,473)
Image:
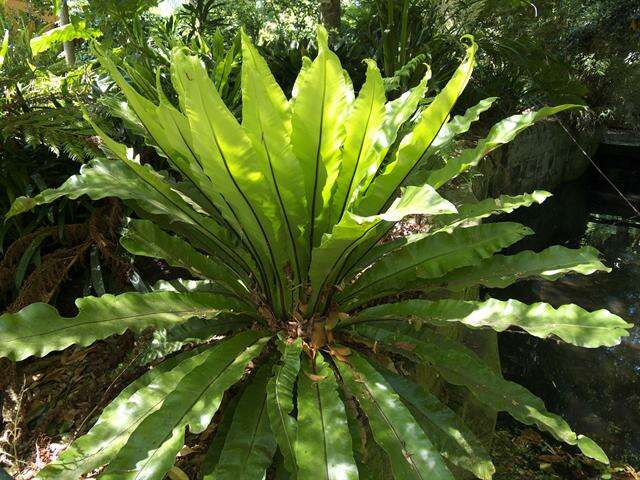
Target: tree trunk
(69,52)
(330,13)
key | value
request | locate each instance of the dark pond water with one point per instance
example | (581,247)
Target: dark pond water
(596,390)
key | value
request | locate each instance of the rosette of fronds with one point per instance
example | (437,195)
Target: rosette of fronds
(282,220)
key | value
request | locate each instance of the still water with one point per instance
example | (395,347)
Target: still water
(596,390)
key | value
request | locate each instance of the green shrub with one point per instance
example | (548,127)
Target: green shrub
(284,219)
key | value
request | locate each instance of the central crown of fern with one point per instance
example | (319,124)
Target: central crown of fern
(283,218)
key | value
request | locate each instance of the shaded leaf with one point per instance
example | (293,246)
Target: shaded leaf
(460,366)
(412,454)
(323,444)
(453,439)
(249,444)
(219,436)
(280,400)
(143,237)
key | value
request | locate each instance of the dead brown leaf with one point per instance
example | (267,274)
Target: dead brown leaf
(405,346)
(315,378)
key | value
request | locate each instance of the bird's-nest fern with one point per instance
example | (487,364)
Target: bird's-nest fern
(282,218)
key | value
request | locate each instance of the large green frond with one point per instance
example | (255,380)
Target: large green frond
(172,197)
(63,33)
(467,214)
(151,449)
(323,445)
(500,271)
(397,112)
(412,454)
(319,107)
(460,366)
(414,145)
(229,159)
(453,439)
(266,117)
(431,256)
(145,238)
(168,129)
(249,445)
(444,141)
(280,400)
(129,180)
(363,126)
(351,231)
(120,418)
(38,329)
(475,211)
(501,133)
(568,322)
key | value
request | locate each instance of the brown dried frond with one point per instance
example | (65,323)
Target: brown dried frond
(14,254)
(66,251)
(103,229)
(42,284)
(72,234)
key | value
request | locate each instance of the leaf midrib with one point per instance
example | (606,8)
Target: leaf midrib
(317,156)
(276,186)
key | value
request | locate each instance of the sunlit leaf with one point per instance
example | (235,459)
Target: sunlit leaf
(64,33)
(280,400)
(568,322)
(319,107)
(4,48)
(249,444)
(151,449)
(500,271)
(117,421)
(38,329)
